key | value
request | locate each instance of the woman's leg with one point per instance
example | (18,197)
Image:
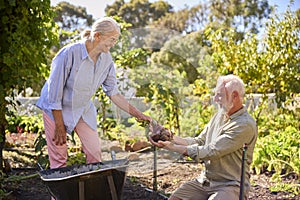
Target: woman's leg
(90,141)
(58,154)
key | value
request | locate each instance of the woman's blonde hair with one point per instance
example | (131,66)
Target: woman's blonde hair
(103,26)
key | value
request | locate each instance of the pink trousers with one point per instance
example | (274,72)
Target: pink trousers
(58,154)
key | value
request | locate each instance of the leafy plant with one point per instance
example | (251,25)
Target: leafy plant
(105,123)
(277,147)
(284,187)
(166,102)
(76,158)
(40,144)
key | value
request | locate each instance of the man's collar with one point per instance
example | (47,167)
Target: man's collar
(239,112)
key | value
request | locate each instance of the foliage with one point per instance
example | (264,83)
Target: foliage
(271,66)
(71,20)
(76,158)
(176,21)
(241,15)
(40,144)
(195,116)
(277,148)
(105,123)
(182,54)
(117,133)
(164,89)
(27,34)
(138,12)
(293,188)
(278,144)
(166,102)
(176,70)
(109,126)
(131,59)
(268,65)
(29,123)
(25,124)
(198,108)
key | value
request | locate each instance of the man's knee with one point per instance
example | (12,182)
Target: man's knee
(173,198)
(226,193)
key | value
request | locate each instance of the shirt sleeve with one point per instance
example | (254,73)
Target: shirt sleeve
(61,66)
(110,86)
(227,142)
(199,140)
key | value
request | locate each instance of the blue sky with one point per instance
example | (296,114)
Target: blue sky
(96,7)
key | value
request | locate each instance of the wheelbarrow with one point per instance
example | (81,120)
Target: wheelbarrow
(103,180)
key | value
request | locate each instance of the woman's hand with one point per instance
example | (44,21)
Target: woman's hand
(143,117)
(60,137)
(122,103)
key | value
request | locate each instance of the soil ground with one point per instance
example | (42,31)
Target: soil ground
(172,171)
(137,188)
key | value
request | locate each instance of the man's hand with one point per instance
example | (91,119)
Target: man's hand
(169,146)
(161,144)
(60,136)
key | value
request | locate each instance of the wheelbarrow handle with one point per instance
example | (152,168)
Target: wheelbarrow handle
(40,167)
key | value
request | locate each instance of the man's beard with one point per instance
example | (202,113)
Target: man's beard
(226,106)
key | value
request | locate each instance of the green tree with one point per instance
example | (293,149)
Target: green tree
(27,34)
(71,20)
(271,65)
(176,21)
(242,15)
(139,13)
(183,54)
(186,53)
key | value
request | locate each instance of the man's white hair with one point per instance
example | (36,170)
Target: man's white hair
(232,83)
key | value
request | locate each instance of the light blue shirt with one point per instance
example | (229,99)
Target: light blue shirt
(73,81)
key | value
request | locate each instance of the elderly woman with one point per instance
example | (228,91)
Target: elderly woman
(78,70)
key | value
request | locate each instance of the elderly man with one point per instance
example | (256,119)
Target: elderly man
(219,146)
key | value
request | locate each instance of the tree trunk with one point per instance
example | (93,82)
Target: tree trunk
(3,123)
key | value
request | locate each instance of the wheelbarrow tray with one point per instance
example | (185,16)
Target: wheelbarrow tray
(96,181)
